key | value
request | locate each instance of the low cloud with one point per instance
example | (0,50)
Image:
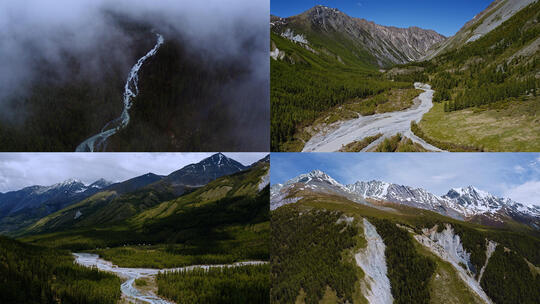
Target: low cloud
(35,34)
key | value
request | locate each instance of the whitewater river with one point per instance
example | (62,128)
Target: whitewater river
(131,90)
(388,124)
(131,274)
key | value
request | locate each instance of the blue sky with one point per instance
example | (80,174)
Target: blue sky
(514,175)
(444,16)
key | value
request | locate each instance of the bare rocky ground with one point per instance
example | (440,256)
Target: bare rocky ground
(389,124)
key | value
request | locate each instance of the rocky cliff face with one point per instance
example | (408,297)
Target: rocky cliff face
(494,15)
(372,260)
(389,45)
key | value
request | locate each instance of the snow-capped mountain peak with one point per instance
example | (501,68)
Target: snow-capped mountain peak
(372,189)
(100,184)
(461,203)
(475,200)
(316,176)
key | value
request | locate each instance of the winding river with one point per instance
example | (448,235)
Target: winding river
(131,90)
(128,288)
(388,124)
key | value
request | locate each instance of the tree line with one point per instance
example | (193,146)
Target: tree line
(243,284)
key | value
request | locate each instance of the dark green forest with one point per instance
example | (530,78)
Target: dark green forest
(508,279)
(186,102)
(234,285)
(183,105)
(306,254)
(300,92)
(483,72)
(408,271)
(30,274)
(222,231)
(63,107)
(308,238)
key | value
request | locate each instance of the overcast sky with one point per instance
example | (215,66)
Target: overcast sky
(18,170)
(513,175)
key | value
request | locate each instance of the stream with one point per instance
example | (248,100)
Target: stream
(131,90)
(128,288)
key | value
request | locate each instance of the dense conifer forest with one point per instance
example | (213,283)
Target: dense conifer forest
(303,90)
(306,255)
(508,279)
(408,271)
(310,232)
(30,274)
(236,285)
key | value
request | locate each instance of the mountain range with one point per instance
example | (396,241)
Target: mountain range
(468,204)
(380,45)
(25,207)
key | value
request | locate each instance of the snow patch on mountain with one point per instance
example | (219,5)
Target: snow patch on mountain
(316,175)
(376,285)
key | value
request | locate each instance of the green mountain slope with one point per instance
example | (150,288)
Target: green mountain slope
(304,85)
(488,88)
(222,222)
(416,274)
(323,58)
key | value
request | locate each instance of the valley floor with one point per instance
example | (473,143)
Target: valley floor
(506,126)
(342,133)
(134,287)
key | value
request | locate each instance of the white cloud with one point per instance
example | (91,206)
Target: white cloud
(18,170)
(519,169)
(527,193)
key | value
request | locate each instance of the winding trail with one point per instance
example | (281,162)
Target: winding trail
(131,90)
(388,124)
(131,274)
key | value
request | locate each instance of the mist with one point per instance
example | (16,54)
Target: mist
(37,35)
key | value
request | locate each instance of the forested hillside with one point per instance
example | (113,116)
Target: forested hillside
(326,229)
(237,285)
(500,65)
(222,222)
(305,84)
(30,274)
(487,90)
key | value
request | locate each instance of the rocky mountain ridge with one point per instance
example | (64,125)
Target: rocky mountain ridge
(387,44)
(484,22)
(461,203)
(22,208)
